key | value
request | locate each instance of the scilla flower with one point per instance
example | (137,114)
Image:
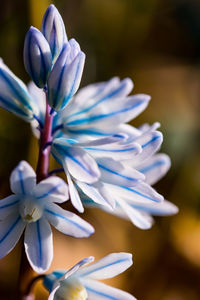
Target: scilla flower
(32,207)
(82,283)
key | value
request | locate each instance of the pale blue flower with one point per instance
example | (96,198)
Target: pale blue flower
(37,57)
(138,203)
(81,282)
(14,95)
(33,208)
(53,30)
(65,77)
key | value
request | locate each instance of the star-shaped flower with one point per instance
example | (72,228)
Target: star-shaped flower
(82,283)
(33,207)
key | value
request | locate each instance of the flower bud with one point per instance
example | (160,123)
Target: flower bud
(65,77)
(37,57)
(14,95)
(53,29)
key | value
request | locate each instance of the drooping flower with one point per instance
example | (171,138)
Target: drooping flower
(81,282)
(33,208)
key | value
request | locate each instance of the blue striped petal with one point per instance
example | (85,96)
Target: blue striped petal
(11,230)
(67,222)
(114,172)
(114,112)
(74,195)
(8,205)
(51,189)
(140,219)
(107,267)
(37,57)
(14,95)
(22,179)
(164,208)
(112,89)
(66,75)
(53,29)
(39,245)
(100,291)
(155,167)
(76,161)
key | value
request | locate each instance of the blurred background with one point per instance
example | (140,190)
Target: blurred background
(157,44)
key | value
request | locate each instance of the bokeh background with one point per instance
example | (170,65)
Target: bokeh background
(157,44)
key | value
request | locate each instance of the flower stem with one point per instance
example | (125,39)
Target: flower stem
(27,274)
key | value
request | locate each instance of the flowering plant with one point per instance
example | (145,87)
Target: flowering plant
(108,164)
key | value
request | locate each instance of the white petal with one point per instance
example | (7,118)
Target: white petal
(164,208)
(81,165)
(22,179)
(94,94)
(107,267)
(140,219)
(155,168)
(74,195)
(150,143)
(114,172)
(39,245)
(67,222)
(114,112)
(141,193)
(115,151)
(8,205)
(98,192)
(52,189)
(100,291)
(11,230)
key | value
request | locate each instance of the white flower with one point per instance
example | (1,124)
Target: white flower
(82,283)
(32,207)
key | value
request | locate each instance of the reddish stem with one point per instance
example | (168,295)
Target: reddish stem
(26,272)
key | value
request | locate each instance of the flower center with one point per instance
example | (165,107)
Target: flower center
(71,289)
(30,210)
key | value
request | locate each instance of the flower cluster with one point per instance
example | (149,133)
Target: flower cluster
(108,163)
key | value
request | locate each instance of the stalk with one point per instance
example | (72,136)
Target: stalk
(27,274)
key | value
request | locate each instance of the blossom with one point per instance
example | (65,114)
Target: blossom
(53,30)
(14,95)
(82,283)
(37,56)
(65,77)
(33,208)
(138,203)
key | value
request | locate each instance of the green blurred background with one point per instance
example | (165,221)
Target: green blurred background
(157,44)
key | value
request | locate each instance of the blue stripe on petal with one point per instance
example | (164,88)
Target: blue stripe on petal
(21,182)
(113,93)
(105,266)
(68,220)
(71,93)
(114,172)
(139,193)
(8,205)
(13,88)
(10,229)
(151,141)
(100,293)
(110,150)
(98,117)
(39,242)
(152,166)
(53,189)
